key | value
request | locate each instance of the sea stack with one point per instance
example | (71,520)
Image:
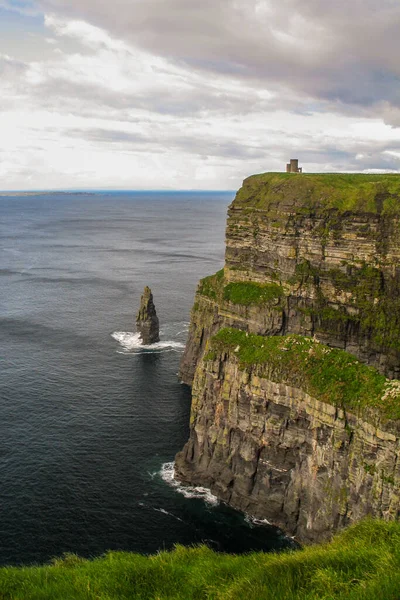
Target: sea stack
(146,320)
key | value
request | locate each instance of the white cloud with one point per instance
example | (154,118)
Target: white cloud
(106,107)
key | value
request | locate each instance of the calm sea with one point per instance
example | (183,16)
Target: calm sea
(89,421)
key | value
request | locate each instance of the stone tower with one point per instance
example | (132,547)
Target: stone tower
(293,166)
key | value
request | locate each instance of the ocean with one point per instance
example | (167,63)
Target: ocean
(90,421)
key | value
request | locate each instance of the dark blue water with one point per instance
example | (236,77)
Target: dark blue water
(87,423)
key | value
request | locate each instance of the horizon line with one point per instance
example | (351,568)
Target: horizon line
(93,190)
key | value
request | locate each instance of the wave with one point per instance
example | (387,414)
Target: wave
(169,514)
(131,343)
(167,473)
(185,329)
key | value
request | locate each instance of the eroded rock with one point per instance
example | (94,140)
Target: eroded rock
(147,323)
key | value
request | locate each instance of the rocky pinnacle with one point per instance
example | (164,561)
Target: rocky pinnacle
(146,319)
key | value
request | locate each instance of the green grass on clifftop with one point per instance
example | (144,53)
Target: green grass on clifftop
(360,193)
(362,563)
(328,374)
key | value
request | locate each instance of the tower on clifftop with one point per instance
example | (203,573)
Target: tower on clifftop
(293,166)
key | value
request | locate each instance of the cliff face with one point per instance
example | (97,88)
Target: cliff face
(325,249)
(281,438)
(309,255)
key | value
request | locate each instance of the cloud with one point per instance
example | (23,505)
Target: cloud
(113,75)
(180,94)
(343,52)
(11,69)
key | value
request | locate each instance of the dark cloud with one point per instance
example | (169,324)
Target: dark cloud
(344,52)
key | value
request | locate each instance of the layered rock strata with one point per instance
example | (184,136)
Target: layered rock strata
(308,440)
(328,247)
(303,436)
(147,324)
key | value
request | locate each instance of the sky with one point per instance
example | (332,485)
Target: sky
(195,94)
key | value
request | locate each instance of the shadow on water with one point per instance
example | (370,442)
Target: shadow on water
(220,529)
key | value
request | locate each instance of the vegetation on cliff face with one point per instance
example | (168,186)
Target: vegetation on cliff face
(328,374)
(374,296)
(245,293)
(362,563)
(359,193)
(211,286)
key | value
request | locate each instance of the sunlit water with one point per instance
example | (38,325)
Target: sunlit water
(90,420)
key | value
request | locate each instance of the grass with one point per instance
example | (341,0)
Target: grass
(361,563)
(359,193)
(247,293)
(210,286)
(328,374)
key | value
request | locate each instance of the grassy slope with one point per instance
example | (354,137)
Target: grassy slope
(362,563)
(344,192)
(328,374)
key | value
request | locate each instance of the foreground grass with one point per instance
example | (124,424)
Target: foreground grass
(362,563)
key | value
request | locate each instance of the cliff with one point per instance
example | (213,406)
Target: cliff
(281,433)
(309,254)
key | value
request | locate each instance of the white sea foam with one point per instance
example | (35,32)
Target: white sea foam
(185,328)
(131,343)
(169,514)
(161,510)
(167,473)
